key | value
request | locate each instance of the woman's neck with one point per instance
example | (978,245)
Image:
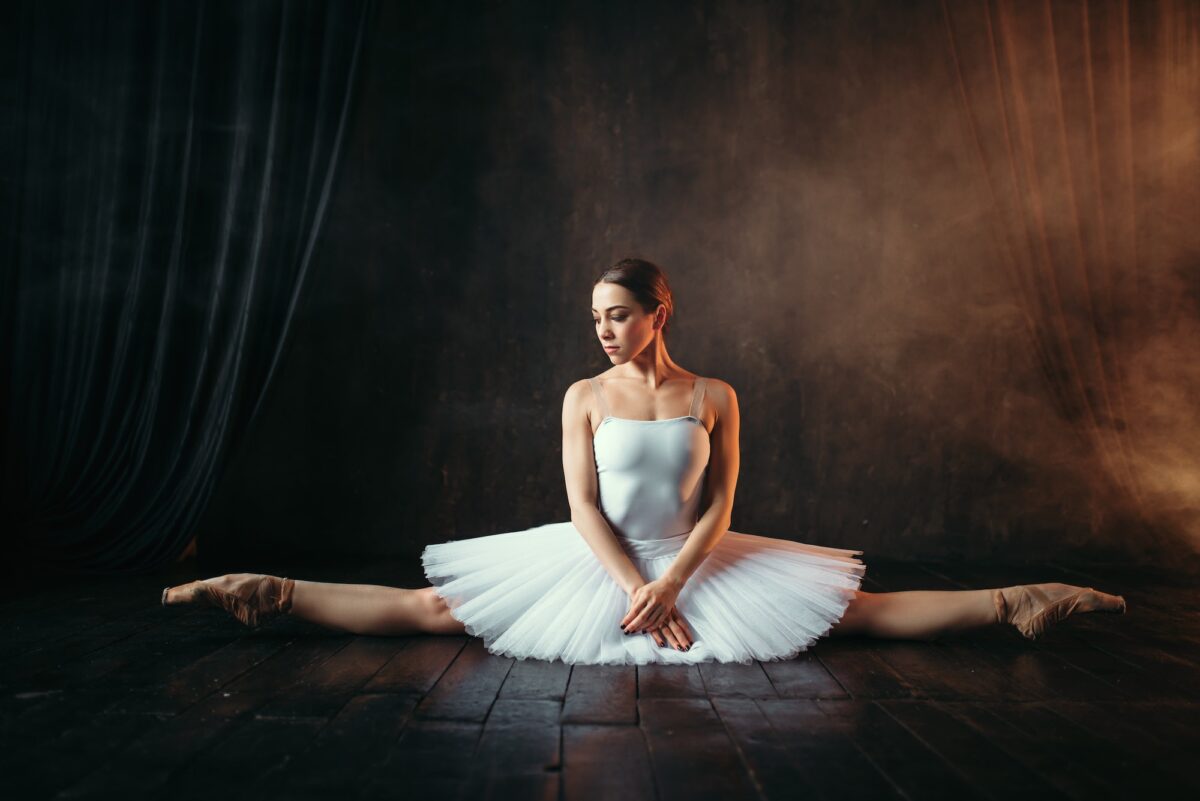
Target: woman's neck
(652,366)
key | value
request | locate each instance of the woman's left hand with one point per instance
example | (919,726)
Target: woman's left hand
(650,605)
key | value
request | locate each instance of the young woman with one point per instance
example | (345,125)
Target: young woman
(647,569)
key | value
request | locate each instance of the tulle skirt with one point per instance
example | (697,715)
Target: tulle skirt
(541,593)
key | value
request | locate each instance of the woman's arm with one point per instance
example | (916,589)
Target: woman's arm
(579,471)
(723,464)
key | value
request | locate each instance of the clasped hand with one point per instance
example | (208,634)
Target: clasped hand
(652,610)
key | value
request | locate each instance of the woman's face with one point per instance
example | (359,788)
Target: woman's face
(623,328)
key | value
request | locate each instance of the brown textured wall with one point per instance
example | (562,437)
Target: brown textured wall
(918,375)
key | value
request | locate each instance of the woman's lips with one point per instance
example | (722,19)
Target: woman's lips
(611,348)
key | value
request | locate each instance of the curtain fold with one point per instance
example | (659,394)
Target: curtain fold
(168,170)
(1083,120)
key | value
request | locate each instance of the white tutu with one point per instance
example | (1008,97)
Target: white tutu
(541,593)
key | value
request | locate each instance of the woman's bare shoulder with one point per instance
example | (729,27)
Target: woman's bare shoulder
(579,404)
(718,385)
(720,394)
(577,392)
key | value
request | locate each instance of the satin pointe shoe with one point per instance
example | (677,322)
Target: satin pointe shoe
(1032,608)
(252,598)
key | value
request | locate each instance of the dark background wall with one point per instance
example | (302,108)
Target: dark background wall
(803,173)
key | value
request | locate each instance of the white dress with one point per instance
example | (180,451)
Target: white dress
(541,593)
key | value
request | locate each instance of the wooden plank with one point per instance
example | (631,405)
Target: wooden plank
(468,688)
(1174,721)
(356,742)
(601,761)
(1122,771)
(247,749)
(50,626)
(38,718)
(59,762)
(290,665)
(856,664)
(537,678)
(1120,735)
(914,769)
(150,656)
(992,774)
(39,669)
(1159,672)
(670,681)
(803,677)
(518,754)
(418,667)
(326,688)
(691,753)
(145,765)
(823,751)
(774,772)
(201,678)
(735,679)
(601,694)
(64,738)
(937,670)
(431,759)
(1042,742)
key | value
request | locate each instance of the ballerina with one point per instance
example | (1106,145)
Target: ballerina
(647,569)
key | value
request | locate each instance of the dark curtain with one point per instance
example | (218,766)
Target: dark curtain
(1083,120)
(167,169)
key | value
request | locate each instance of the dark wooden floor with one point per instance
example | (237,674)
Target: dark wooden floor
(106,694)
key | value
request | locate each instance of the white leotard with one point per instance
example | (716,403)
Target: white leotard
(651,472)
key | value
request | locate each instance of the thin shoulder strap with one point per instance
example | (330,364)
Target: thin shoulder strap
(697,394)
(600,397)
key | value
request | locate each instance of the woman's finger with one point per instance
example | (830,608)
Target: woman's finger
(660,637)
(671,638)
(636,605)
(678,632)
(637,612)
(682,623)
(650,618)
(638,623)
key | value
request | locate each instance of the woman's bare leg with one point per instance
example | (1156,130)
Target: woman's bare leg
(917,614)
(930,614)
(373,609)
(357,608)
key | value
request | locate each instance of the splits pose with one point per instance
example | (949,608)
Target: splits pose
(646,570)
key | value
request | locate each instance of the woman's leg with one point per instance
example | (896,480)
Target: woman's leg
(917,614)
(357,608)
(930,614)
(373,609)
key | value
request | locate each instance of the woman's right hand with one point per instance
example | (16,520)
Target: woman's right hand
(674,632)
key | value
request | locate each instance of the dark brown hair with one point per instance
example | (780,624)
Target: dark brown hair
(646,281)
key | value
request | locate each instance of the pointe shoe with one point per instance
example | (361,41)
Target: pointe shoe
(252,598)
(1034,607)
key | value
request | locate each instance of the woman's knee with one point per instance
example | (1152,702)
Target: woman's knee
(857,616)
(432,604)
(436,612)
